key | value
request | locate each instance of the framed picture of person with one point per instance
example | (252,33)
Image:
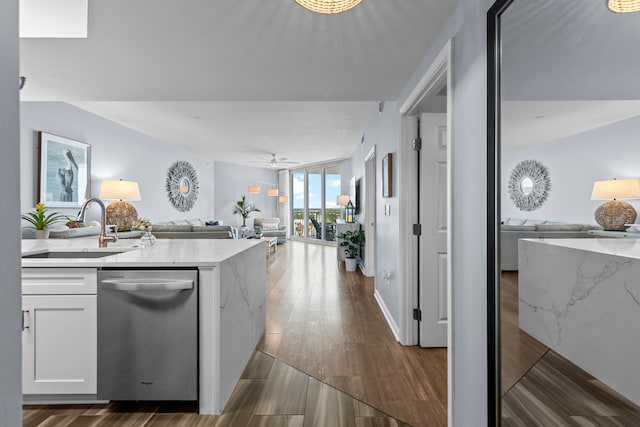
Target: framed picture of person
(63,171)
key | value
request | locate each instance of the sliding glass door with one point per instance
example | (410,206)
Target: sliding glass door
(314,208)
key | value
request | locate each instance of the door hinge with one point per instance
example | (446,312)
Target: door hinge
(417,229)
(417,314)
(417,144)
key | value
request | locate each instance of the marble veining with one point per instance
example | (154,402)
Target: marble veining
(585,305)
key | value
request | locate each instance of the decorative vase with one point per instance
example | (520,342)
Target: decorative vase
(42,234)
(147,240)
(350,264)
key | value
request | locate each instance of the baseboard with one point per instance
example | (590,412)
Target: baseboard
(387,315)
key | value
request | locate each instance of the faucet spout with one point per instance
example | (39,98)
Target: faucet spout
(103,239)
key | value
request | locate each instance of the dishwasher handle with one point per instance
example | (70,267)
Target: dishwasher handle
(133,285)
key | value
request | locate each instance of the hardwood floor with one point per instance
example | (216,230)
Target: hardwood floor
(330,341)
(326,323)
(519,350)
(541,388)
(269,394)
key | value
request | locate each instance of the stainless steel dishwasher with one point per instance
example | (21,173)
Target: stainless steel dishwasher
(148,334)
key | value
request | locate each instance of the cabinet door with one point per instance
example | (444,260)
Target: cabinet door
(59,344)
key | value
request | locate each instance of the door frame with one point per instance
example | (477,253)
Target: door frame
(370,214)
(407,189)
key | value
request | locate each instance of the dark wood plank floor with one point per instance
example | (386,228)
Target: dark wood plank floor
(325,322)
(544,389)
(269,394)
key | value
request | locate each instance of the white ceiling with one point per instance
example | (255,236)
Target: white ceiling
(534,122)
(232,79)
(567,67)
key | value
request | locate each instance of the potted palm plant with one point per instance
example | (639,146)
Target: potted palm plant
(351,241)
(40,219)
(244,208)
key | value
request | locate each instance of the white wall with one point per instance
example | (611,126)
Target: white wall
(382,131)
(117,152)
(10,339)
(574,164)
(467,27)
(232,182)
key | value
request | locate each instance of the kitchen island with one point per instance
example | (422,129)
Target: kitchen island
(581,298)
(231,306)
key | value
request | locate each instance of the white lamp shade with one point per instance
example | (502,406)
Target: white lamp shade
(254,189)
(616,189)
(113,189)
(343,200)
(283,199)
(272,192)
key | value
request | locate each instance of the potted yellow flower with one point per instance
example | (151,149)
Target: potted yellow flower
(41,220)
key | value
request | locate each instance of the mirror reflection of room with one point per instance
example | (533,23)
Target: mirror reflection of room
(569,287)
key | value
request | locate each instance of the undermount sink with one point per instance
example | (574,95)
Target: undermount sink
(63,254)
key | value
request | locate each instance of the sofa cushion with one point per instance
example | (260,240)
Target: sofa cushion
(559,227)
(171,228)
(270,226)
(211,228)
(515,221)
(518,228)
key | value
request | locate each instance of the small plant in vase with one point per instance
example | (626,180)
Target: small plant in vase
(351,241)
(40,219)
(144,224)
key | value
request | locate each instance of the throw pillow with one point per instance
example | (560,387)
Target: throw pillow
(212,222)
(269,226)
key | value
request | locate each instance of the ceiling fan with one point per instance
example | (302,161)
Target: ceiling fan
(274,161)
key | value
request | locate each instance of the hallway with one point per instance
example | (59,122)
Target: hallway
(325,322)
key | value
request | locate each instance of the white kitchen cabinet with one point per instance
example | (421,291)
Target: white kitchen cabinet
(59,338)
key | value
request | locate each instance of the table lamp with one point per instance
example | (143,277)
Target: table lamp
(614,214)
(342,202)
(120,213)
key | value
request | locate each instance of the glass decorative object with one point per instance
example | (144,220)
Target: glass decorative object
(147,240)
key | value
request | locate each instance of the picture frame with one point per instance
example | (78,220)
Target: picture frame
(64,176)
(387,172)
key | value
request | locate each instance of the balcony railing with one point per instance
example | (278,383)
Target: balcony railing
(315,223)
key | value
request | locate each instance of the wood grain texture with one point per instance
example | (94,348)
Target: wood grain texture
(326,323)
(543,388)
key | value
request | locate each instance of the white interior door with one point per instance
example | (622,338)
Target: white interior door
(434,196)
(369,224)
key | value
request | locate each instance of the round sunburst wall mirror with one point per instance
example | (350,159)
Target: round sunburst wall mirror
(182,185)
(529,185)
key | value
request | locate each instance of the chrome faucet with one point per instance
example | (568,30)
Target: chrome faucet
(103,239)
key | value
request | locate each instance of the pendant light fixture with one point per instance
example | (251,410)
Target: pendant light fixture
(624,6)
(328,6)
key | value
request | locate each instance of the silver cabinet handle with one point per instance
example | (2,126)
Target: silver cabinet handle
(132,285)
(25,317)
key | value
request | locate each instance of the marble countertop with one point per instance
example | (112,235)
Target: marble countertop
(166,252)
(628,248)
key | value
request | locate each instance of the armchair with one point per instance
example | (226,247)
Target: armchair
(271,227)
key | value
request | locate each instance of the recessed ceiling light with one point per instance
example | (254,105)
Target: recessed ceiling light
(328,6)
(624,6)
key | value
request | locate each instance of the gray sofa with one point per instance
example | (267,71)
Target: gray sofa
(177,231)
(270,227)
(511,232)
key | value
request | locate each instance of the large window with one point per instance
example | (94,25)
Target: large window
(314,208)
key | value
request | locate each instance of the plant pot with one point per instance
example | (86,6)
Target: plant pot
(350,264)
(42,234)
